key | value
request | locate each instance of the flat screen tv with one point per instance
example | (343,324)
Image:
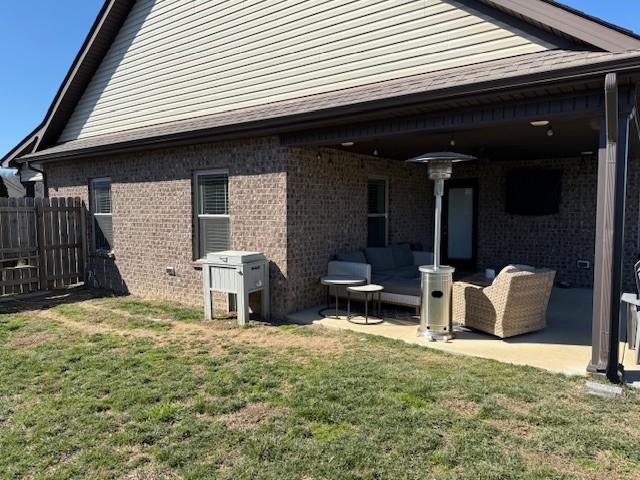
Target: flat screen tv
(534,191)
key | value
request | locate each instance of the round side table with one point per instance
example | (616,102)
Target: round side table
(369,291)
(338,281)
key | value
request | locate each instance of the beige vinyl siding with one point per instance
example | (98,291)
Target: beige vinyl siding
(178,59)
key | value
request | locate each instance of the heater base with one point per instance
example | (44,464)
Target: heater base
(434,336)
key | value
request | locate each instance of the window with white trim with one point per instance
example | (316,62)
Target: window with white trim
(211,212)
(102,214)
(378,212)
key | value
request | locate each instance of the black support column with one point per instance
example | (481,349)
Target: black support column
(612,174)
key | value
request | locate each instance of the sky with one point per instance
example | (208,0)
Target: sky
(40,38)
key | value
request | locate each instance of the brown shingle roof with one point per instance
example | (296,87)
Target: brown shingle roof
(547,15)
(439,83)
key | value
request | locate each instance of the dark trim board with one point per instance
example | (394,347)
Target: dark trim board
(568,21)
(524,24)
(553,107)
(102,34)
(330,126)
(615,373)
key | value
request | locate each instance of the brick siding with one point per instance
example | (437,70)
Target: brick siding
(153,217)
(327,212)
(301,205)
(555,241)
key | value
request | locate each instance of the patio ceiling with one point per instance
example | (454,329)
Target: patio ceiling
(572,137)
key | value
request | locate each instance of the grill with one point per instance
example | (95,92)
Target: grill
(437,280)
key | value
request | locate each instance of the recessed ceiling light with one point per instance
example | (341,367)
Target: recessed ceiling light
(347,144)
(586,153)
(540,123)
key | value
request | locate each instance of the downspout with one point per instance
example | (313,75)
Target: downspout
(44,177)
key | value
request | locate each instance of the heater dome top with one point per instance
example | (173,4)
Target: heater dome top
(440,163)
(441,156)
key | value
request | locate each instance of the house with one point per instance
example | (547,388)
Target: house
(10,185)
(190,126)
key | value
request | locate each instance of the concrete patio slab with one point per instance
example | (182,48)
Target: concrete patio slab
(563,347)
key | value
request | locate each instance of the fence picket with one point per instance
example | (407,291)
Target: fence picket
(14,240)
(63,230)
(42,244)
(82,214)
(5,238)
(73,238)
(52,231)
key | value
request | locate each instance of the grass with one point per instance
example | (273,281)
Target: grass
(120,388)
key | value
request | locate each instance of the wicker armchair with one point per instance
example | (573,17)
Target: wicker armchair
(515,303)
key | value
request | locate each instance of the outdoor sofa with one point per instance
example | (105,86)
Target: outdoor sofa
(515,303)
(394,267)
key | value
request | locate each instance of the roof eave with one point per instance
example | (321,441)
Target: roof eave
(557,17)
(26,146)
(320,118)
(569,21)
(104,29)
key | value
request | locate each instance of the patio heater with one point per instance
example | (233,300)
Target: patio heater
(437,280)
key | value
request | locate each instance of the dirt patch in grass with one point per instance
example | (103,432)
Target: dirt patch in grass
(317,344)
(512,427)
(97,318)
(556,462)
(89,327)
(252,415)
(151,473)
(31,339)
(464,407)
(513,405)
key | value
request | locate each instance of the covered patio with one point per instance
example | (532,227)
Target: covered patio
(564,346)
(579,129)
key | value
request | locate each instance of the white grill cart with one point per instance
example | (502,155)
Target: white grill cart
(240,273)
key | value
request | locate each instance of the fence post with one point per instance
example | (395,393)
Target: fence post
(83,233)
(42,244)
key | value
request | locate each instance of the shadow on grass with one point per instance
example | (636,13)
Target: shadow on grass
(48,300)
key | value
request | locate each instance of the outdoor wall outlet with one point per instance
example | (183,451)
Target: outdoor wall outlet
(584,264)
(171,271)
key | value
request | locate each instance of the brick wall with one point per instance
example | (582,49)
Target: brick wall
(554,241)
(301,205)
(152,213)
(327,211)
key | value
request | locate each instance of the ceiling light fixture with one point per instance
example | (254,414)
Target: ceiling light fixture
(540,123)
(586,153)
(550,131)
(375,152)
(452,141)
(347,144)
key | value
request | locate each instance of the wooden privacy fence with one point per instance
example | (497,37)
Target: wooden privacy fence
(42,244)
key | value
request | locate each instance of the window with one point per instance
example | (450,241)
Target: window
(378,217)
(101,212)
(212,212)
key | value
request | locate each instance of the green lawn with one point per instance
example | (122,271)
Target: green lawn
(118,388)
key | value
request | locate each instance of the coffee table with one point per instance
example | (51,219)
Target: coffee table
(369,291)
(338,281)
